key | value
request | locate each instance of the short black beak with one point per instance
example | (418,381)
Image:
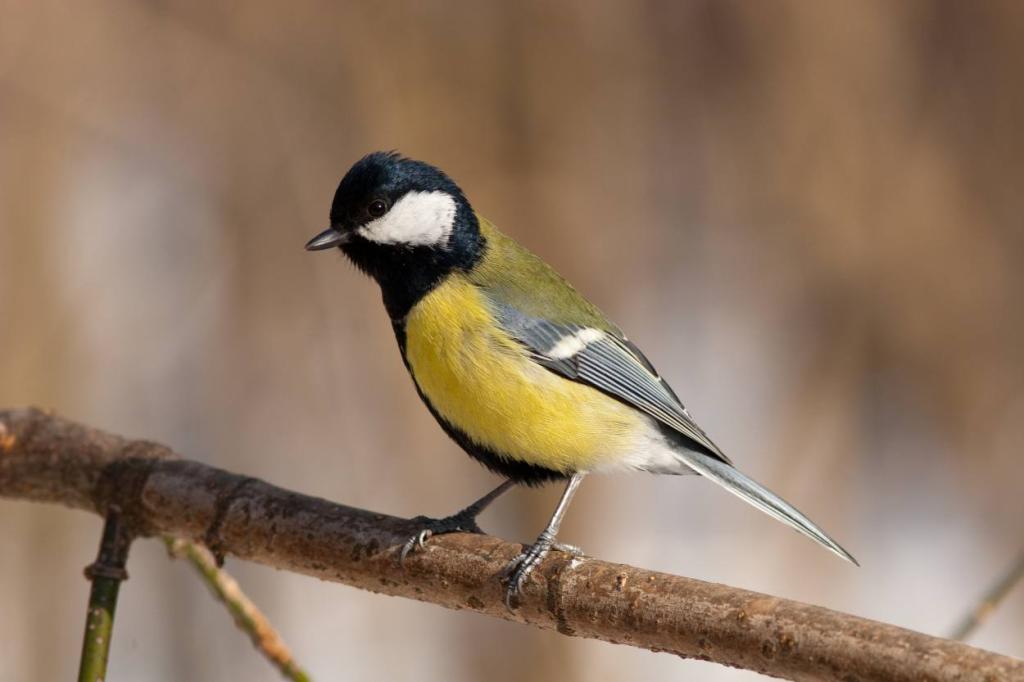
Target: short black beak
(328,238)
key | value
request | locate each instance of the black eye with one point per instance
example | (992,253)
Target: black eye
(377,208)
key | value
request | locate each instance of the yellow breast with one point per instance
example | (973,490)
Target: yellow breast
(480,380)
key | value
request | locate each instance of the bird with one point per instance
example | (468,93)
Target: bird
(519,369)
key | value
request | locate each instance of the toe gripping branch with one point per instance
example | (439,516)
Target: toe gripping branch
(462,522)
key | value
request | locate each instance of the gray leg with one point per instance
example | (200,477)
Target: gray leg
(521,567)
(461,522)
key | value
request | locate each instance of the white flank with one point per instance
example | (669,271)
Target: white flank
(571,345)
(417,219)
(650,451)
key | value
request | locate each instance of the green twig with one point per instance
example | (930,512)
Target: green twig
(987,606)
(106,574)
(246,614)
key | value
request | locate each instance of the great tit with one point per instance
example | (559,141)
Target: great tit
(520,370)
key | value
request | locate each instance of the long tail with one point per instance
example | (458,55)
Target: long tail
(754,493)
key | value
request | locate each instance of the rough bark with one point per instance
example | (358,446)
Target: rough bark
(49,459)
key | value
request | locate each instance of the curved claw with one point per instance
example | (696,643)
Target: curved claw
(459,523)
(417,541)
(520,568)
(518,571)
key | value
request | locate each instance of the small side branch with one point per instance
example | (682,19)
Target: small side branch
(245,613)
(50,459)
(106,574)
(990,601)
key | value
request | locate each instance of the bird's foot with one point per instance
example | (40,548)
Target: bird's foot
(456,523)
(520,568)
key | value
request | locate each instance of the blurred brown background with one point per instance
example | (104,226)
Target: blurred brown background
(809,214)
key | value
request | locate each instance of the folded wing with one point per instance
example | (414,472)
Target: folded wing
(609,362)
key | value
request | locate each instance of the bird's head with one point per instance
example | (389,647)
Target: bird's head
(388,203)
(403,222)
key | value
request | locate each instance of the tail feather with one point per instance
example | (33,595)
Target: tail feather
(757,495)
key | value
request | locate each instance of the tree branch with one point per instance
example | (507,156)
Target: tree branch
(49,459)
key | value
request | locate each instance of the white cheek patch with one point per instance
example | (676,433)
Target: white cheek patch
(417,219)
(571,345)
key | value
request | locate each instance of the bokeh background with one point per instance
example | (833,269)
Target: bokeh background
(810,215)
